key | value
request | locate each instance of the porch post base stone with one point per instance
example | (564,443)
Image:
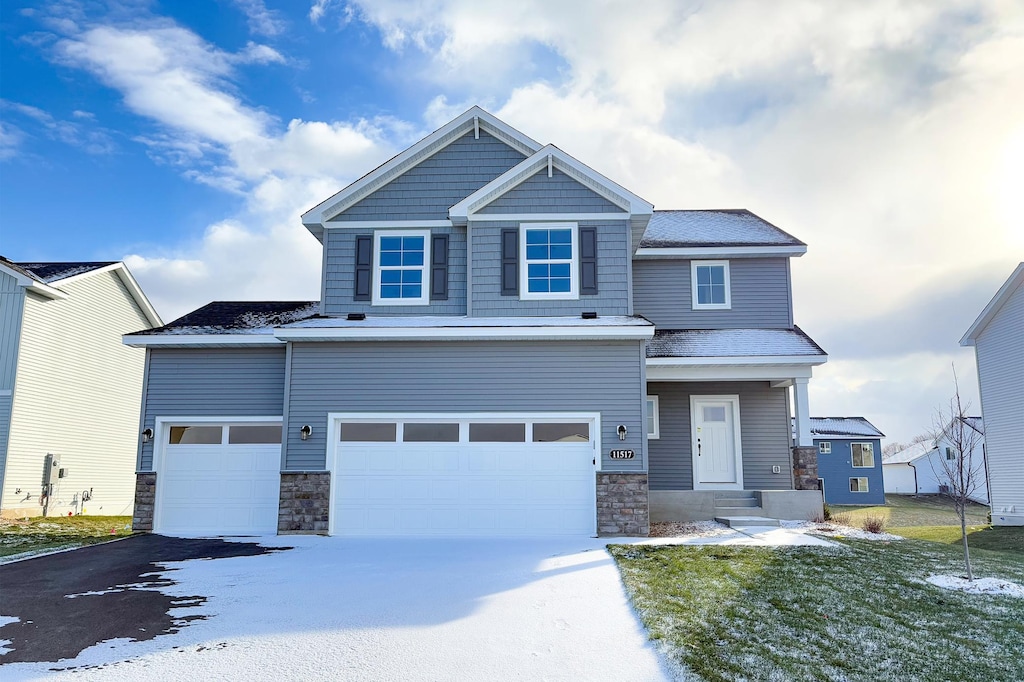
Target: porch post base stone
(305,503)
(145,498)
(805,468)
(623,507)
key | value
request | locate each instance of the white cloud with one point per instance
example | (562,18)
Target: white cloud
(92,140)
(262,20)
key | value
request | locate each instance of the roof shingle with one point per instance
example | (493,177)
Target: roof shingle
(721,227)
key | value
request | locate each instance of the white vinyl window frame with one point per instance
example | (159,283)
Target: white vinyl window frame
(861,483)
(574,264)
(870,448)
(424,298)
(825,447)
(724,264)
(653,418)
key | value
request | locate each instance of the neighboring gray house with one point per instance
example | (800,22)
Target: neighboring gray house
(998,339)
(507,343)
(69,389)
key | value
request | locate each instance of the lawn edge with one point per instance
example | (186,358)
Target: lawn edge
(17,558)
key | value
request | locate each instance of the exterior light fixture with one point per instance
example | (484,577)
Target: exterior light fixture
(622,431)
(305,432)
(147,435)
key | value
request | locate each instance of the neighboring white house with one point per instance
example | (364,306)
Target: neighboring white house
(998,339)
(918,469)
(69,389)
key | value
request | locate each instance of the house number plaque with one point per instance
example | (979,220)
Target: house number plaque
(621,454)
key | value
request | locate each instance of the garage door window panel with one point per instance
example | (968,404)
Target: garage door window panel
(497,433)
(254,435)
(430,433)
(561,433)
(196,435)
(369,432)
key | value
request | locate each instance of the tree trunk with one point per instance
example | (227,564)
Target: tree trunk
(967,552)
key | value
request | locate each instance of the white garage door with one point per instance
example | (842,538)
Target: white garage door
(218,479)
(454,476)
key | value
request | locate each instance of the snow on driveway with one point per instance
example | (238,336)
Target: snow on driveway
(335,608)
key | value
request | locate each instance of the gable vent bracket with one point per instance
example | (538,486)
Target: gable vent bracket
(549,165)
(476,127)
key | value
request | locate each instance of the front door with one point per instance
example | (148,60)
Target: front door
(717,459)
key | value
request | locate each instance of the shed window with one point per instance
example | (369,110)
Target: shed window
(863,455)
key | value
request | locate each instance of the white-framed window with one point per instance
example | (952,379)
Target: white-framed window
(859,485)
(549,261)
(825,447)
(862,455)
(400,267)
(709,283)
(950,454)
(653,418)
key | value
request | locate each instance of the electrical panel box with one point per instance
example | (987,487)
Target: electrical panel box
(62,472)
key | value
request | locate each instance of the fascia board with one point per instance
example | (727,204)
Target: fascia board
(1015,280)
(720,251)
(190,340)
(464,333)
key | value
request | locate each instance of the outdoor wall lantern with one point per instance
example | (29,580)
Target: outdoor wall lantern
(622,432)
(147,435)
(305,432)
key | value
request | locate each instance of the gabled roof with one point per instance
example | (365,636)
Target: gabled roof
(46,278)
(236,317)
(1015,281)
(473,119)
(677,233)
(910,453)
(844,427)
(546,159)
(735,343)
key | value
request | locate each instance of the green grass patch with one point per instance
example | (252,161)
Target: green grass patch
(910,510)
(59,532)
(998,538)
(860,612)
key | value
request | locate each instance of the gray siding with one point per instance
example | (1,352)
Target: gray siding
(557,194)
(77,396)
(429,189)
(462,377)
(339,283)
(1000,352)
(759,287)
(212,382)
(764,433)
(12,301)
(612,274)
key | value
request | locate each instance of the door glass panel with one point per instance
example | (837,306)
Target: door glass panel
(431,433)
(372,432)
(561,433)
(497,433)
(196,435)
(245,435)
(714,414)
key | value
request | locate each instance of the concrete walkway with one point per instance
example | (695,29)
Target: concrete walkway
(755,536)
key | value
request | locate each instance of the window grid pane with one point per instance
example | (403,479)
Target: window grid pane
(711,284)
(553,250)
(401,267)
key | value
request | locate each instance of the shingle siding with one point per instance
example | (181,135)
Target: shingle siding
(1000,353)
(760,295)
(557,194)
(212,382)
(339,287)
(612,274)
(764,427)
(79,381)
(429,189)
(527,376)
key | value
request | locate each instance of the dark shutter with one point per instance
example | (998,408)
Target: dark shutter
(364,267)
(588,261)
(510,262)
(439,267)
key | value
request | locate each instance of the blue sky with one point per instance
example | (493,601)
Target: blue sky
(187,137)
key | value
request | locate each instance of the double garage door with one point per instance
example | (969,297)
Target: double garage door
(393,475)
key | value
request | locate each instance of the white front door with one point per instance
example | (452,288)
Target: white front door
(717,456)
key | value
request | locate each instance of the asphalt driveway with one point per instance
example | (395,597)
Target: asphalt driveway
(324,608)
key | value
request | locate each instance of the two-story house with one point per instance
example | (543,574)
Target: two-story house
(507,342)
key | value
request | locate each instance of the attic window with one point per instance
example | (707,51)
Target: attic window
(709,280)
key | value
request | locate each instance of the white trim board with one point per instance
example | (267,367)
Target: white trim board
(31,284)
(568,333)
(749,360)
(190,340)
(720,251)
(776,373)
(479,218)
(1015,280)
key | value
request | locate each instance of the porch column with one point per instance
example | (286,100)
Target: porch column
(802,414)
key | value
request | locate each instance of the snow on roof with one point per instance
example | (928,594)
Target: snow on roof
(843,427)
(910,453)
(237,317)
(731,343)
(447,321)
(49,273)
(723,227)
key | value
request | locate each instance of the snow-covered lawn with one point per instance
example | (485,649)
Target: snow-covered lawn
(333,608)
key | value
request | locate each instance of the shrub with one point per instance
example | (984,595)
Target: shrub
(827,512)
(843,519)
(874,524)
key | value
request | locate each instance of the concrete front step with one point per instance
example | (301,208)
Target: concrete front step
(738,511)
(736,502)
(746,521)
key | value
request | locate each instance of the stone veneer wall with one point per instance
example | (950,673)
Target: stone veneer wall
(305,503)
(623,507)
(145,498)
(805,468)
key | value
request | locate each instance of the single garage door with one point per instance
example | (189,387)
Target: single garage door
(218,479)
(451,475)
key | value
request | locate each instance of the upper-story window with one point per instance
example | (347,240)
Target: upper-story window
(400,274)
(549,255)
(710,284)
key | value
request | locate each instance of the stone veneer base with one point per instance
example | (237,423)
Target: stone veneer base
(305,503)
(805,468)
(145,498)
(623,507)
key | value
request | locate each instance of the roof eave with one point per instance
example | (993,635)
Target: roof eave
(1009,286)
